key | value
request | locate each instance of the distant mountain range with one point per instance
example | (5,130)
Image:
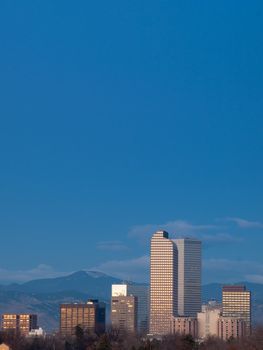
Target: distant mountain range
(43,296)
(91,282)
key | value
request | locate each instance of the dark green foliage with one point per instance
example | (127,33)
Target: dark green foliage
(103,343)
(68,346)
(80,342)
(114,340)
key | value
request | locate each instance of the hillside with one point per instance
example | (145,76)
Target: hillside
(92,283)
(44,296)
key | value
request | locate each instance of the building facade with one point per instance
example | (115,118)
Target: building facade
(208,320)
(124,313)
(90,317)
(22,323)
(184,326)
(38,332)
(189,276)
(163,283)
(4,346)
(142,294)
(236,302)
(231,328)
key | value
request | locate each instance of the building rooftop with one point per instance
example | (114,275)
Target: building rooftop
(234,288)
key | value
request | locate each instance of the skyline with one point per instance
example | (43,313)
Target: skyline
(120,119)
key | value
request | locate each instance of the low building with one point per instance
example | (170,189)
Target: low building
(90,317)
(38,332)
(231,328)
(208,320)
(3,346)
(20,323)
(124,313)
(142,293)
(236,301)
(184,326)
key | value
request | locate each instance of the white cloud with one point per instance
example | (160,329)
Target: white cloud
(228,264)
(227,270)
(242,223)
(41,271)
(255,278)
(136,269)
(178,227)
(111,245)
(214,270)
(219,238)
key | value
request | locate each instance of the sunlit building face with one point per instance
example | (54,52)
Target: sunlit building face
(163,283)
(90,317)
(22,323)
(236,302)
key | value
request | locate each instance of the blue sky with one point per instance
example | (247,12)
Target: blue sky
(121,117)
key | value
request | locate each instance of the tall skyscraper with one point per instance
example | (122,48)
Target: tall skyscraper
(90,317)
(189,276)
(142,293)
(236,302)
(163,283)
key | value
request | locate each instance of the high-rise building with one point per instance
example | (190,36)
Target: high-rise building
(189,276)
(236,302)
(90,317)
(22,323)
(142,294)
(163,283)
(124,313)
(208,320)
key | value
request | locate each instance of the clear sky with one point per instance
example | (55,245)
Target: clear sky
(120,117)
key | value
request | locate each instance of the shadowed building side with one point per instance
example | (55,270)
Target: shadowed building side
(189,276)
(124,313)
(142,294)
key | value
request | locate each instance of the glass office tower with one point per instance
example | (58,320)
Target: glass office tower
(189,276)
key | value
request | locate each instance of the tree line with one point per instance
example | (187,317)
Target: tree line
(115,340)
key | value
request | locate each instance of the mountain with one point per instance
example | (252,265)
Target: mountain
(91,282)
(44,296)
(45,305)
